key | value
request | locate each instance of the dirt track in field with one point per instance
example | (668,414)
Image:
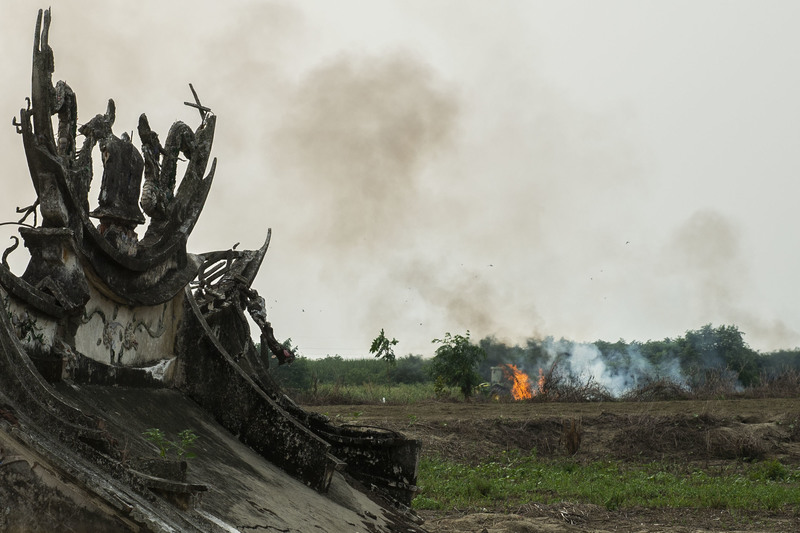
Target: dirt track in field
(708,433)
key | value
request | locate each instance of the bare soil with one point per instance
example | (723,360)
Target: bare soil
(709,433)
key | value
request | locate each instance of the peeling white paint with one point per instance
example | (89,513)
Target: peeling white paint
(159,370)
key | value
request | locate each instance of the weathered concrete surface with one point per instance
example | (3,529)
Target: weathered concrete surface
(208,375)
(36,495)
(219,368)
(54,266)
(82,444)
(245,491)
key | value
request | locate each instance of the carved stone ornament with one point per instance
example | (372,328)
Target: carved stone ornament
(114,329)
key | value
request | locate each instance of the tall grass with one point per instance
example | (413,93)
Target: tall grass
(556,390)
(369,393)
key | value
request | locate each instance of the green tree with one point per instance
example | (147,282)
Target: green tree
(497,354)
(296,376)
(781,361)
(719,348)
(383,348)
(411,369)
(455,362)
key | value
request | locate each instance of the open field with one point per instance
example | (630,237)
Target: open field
(713,439)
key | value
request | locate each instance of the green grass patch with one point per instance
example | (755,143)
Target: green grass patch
(515,479)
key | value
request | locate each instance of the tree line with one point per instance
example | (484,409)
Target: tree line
(460,362)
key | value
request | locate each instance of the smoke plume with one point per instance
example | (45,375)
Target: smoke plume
(618,373)
(355,136)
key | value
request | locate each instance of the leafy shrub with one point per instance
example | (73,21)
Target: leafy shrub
(186,440)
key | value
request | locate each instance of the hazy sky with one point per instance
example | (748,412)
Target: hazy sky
(592,170)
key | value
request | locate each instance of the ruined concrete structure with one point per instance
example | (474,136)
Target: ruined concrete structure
(114,329)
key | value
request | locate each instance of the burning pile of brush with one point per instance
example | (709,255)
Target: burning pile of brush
(551,385)
(521,388)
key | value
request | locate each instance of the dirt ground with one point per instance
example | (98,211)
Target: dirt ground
(707,433)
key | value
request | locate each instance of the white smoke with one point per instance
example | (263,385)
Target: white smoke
(618,371)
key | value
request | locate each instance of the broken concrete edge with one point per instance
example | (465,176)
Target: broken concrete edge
(110,498)
(209,375)
(46,476)
(383,459)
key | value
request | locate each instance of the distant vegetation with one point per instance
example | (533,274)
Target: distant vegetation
(708,362)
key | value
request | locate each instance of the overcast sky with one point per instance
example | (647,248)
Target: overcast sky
(591,170)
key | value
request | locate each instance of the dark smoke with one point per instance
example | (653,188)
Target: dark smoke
(355,136)
(451,187)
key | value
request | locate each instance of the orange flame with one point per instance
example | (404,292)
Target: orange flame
(521,388)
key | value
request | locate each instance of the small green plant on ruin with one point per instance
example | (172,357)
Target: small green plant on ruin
(181,447)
